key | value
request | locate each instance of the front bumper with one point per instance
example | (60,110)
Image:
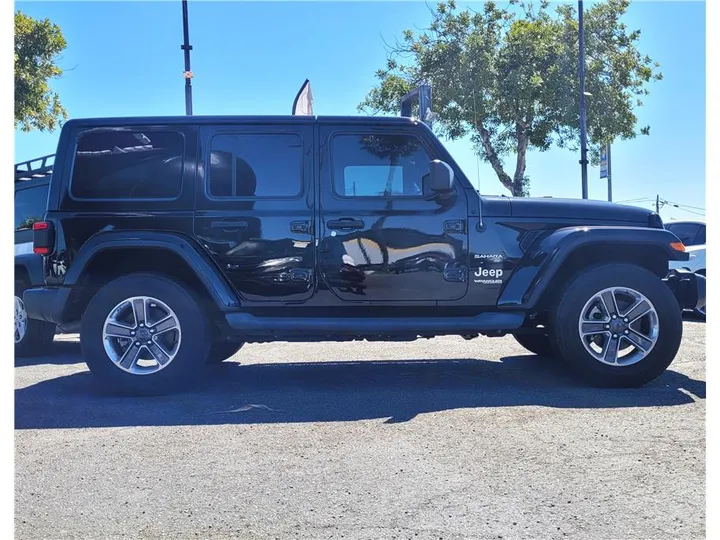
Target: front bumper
(688,288)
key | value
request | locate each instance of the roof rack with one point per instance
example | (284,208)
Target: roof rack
(41,167)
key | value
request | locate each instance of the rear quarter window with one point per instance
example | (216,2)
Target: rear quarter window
(128,164)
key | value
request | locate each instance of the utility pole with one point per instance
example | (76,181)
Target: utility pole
(657,204)
(609,173)
(186,47)
(583,121)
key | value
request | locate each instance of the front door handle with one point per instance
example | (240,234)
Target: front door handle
(345,223)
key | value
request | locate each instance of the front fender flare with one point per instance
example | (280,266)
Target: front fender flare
(542,261)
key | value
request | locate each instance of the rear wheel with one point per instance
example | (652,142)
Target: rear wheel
(32,336)
(617,325)
(145,334)
(222,350)
(536,343)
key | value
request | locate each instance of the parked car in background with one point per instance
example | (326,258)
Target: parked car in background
(692,234)
(32,183)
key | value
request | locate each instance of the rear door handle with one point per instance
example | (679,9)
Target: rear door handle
(345,223)
(301,227)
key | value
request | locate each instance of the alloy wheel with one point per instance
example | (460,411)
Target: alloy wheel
(142,335)
(619,326)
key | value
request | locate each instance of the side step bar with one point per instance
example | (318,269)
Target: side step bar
(247,324)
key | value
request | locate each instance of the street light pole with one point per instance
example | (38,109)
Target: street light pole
(583,121)
(186,47)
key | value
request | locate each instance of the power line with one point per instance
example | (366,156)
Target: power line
(634,200)
(689,211)
(686,205)
(659,203)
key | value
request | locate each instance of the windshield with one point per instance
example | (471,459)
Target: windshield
(687,232)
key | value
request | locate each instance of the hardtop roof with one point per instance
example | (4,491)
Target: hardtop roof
(240,119)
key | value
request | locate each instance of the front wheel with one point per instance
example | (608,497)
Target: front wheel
(617,325)
(221,351)
(145,334)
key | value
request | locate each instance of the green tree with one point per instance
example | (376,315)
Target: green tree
(38,44)
(507,77)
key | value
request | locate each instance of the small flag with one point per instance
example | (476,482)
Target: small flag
(303,104)
(604,162)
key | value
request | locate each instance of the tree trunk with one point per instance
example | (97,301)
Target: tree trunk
(518,184)
(493,158)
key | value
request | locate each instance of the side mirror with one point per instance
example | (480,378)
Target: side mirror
(442,177)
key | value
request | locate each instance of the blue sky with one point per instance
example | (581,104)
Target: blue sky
(124,58)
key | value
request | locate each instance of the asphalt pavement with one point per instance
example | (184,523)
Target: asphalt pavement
(433,439)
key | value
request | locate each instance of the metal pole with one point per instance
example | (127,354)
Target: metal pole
(609,173)
(657,204)
(186,47)
(583,123)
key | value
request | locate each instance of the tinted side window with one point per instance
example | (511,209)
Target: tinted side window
(379,165)
(700,240)
(125,164)
(686,232)
(30,206)
(255,165)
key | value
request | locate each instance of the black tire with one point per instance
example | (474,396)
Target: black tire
(38,334)
(566,316)
(222,350)
(700,313)
(536,343)
(193,348)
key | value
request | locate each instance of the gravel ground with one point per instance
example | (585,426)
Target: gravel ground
(452,439)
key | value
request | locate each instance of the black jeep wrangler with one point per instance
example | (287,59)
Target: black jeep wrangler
(176,240)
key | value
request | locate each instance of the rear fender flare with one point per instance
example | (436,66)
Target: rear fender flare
(200,263)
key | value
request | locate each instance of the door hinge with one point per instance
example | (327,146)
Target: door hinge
(455,274)
(454,225)
(301,227)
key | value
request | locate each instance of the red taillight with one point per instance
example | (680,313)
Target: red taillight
(43,238)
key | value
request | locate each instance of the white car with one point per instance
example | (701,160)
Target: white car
(692,234)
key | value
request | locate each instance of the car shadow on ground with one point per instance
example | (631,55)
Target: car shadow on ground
(396,391)
(58,353)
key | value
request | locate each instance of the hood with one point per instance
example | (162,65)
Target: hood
(578,210)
